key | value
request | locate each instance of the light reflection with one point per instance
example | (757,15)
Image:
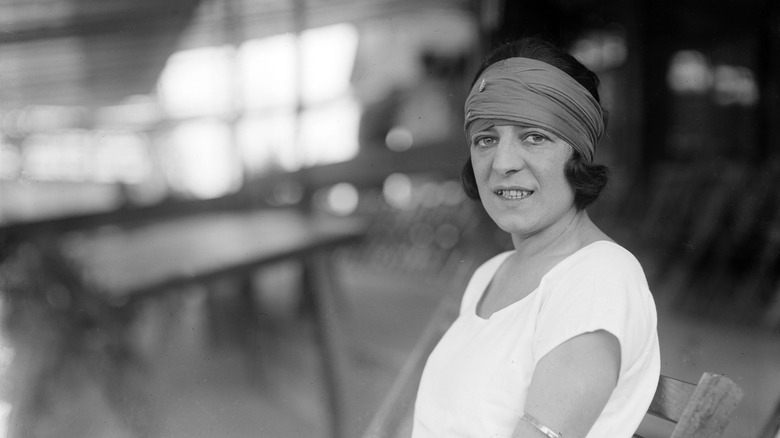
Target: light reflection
(689,72)
(197,82)
(342,199)
(397,190)
(601,50)
(399,139)
(199,160)
(735,85)
(328,55)
(328,133)
(267,72)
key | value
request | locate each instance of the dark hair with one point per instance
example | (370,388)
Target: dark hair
(586,179)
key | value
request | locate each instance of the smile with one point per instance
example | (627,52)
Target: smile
(514,194)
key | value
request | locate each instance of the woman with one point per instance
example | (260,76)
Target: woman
(556,338)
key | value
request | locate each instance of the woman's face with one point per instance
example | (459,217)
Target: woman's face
(520,178)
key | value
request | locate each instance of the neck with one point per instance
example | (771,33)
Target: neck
(563,236)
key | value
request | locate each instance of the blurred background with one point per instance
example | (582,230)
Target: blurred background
(169,168)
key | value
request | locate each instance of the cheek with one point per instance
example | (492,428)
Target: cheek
(480,166)
(555,168)
(558,181)
(481,179)
(553,179)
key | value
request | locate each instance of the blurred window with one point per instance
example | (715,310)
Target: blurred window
(291,94)
(197,82)
(267,72)
(714,96)
(197,156)
(265,140)
(735,86)
(328,55)
(310,73)
(690,71)
(601,50)
(86,156)
(328,133)
(227,108)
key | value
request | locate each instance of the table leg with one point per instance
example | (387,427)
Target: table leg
(320,291)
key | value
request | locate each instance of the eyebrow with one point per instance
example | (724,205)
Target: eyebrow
(522,127)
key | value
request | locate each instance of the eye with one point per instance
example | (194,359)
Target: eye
(484,141)
(535,138)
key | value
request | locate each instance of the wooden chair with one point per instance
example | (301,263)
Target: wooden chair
(772,427)
(699,410)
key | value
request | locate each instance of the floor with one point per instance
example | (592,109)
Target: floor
(197,387)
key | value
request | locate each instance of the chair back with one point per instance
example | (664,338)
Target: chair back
(772,427)
(700,410)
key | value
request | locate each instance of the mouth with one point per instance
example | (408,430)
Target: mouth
(513,194)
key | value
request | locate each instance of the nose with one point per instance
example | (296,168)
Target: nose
(508,158)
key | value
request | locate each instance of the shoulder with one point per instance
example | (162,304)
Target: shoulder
(602,261)
(607,250)
(602,272)
(600,287)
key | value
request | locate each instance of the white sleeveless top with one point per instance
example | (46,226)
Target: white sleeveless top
(475,381)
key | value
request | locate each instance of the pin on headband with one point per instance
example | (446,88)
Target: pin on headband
(530,92)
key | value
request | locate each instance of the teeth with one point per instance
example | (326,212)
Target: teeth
(513,194)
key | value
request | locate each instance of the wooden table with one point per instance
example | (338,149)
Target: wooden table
(161,258)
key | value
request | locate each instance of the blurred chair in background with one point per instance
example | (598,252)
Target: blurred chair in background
(68,340)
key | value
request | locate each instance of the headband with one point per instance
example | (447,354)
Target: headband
(530,92)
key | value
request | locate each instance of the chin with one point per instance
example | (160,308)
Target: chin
(518,230)
(513,225)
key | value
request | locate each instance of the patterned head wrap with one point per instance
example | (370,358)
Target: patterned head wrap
(530,92)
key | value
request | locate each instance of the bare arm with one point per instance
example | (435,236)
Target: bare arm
(571,385)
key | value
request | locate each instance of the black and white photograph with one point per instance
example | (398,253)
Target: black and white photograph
(389,219)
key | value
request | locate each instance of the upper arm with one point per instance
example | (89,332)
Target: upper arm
(571,385)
